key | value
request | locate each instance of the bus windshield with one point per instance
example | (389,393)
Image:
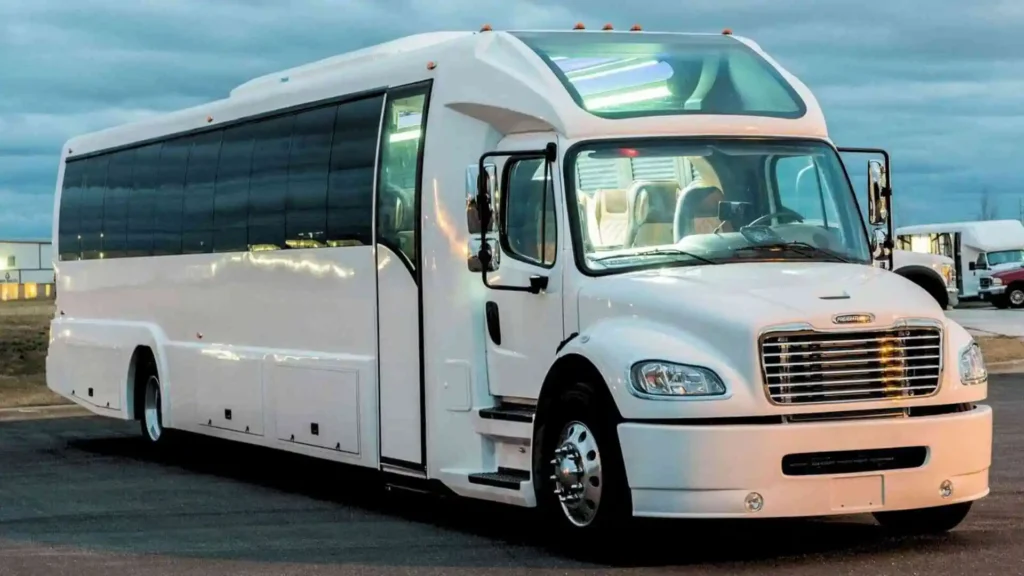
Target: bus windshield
(631,75)
(701,201)
(1006,257)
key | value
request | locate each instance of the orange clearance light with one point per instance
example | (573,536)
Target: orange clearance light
(636,28)
(209,119)
(486,28)
(607,27)
(431,65)
(727,32)
(579,26)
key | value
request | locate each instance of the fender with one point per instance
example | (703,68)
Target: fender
(612,346)
(923,270)
(120,339)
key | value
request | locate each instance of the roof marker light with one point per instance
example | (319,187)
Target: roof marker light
(636,28)
(209,119)
(431,65)
(727,32)
(486,28)
(608,27)
(579,26)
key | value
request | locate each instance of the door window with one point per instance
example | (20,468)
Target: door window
(397,200)
(528,210)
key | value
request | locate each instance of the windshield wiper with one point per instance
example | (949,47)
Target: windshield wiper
(651,251)
(808,250)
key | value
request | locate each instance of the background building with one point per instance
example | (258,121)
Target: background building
(26,269)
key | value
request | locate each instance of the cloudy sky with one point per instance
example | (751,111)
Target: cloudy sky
(939,83)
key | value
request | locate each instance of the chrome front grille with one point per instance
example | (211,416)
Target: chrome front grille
(985,282)
(829,367)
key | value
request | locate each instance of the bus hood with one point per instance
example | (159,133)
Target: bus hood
(729,304)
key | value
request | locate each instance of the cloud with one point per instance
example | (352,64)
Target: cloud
(935,83)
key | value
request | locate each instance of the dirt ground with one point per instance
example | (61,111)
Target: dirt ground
(24,328)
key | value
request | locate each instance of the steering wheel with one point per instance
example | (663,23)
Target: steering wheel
(780,212)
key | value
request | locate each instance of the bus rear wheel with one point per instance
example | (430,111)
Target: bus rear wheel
(582,488)
(935,520)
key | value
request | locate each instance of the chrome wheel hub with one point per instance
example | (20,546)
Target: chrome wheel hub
(151,413)
(577,478)
(1017,297)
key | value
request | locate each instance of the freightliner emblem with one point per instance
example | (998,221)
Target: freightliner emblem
(853,318)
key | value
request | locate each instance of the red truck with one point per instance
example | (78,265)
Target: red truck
(1008,288)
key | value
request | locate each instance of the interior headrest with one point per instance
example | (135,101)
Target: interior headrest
(655,202)
(702,201)
(612,201)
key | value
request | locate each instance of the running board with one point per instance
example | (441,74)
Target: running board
(509,413)
(507,478)
(505,423)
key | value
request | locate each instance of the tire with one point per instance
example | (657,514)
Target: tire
(936,520)
(1015,295)
(580,459)
(151,419)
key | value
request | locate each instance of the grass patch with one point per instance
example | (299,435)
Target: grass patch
(1001,348)
(24,331)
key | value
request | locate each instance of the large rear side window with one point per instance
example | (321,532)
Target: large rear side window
(628,75)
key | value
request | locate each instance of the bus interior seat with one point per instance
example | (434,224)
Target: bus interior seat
(653,212)
(697,211)
(609,220)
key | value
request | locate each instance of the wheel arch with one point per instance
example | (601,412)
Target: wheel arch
(927,279)
(143,361)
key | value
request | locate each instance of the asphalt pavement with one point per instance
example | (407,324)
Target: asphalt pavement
(82,496)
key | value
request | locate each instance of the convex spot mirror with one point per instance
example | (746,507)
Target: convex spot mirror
(879,240)
(481,216)
(878,198)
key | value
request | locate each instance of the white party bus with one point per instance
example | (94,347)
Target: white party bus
(605,274)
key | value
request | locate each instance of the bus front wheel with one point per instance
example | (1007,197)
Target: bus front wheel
(582,486)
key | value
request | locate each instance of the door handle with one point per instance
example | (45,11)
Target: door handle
(538,283)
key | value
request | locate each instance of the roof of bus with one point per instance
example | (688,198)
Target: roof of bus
(466,68)
(988,235)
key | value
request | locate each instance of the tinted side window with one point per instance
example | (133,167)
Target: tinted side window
(528,213)
(170,197)
(231,198)
(350,186)
(398,185)
(308,171)
(141,203)
(269,182)
(91,208)
(115,204)
(197,226)
(68,218)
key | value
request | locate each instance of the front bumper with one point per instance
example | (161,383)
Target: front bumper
(708,471)
(991,292)
(954,296)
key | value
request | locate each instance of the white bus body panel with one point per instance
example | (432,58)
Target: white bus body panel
(289,338)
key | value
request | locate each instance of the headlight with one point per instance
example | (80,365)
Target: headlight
(997,281)
(948,274)
(670,380)
(972,365)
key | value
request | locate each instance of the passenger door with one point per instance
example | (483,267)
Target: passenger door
(399,282)
(523,307)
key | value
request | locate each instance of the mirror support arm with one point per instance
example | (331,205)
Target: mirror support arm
(484,209)
(890,243)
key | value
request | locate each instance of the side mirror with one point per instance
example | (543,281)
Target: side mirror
(481,215)
(879,243)
(878,194)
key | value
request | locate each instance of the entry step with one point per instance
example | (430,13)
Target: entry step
(508,478)
(510,413)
